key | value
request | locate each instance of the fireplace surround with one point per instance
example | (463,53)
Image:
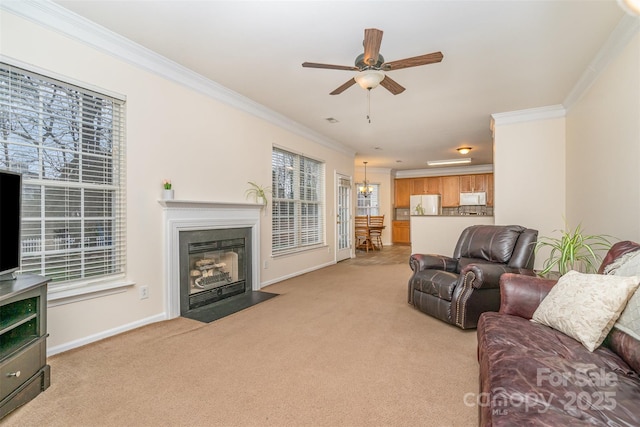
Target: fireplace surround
(214,265)
(192,216)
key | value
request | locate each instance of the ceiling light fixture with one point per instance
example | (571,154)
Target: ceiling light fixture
(369,79)
(448,162)
(632,7)
(365,189)
(464,150)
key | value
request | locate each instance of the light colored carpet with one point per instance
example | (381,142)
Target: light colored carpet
(338,347)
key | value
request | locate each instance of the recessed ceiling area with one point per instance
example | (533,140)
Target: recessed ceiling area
(498,56)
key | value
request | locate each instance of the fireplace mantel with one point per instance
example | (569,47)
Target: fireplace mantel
(189,215)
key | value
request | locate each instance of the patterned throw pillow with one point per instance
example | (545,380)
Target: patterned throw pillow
(628,265)
(585,306)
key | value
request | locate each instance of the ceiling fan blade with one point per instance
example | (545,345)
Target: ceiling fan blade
(429,58)
(329,66)
(344,87)
(372,41)
(391,85)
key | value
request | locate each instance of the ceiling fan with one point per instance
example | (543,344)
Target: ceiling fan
(371,66)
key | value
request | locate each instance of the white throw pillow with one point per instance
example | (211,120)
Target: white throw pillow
(628,265)
(585,306)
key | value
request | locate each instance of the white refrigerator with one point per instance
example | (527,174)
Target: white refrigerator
(425,204)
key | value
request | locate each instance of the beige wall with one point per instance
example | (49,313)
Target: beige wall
(603,151)
(582,166)
(529,175)
(208,149)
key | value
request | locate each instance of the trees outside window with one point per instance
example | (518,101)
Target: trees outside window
(298,202)
(68,144)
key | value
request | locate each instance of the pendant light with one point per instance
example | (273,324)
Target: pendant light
(365,189)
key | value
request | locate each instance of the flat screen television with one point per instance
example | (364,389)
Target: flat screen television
(10,213)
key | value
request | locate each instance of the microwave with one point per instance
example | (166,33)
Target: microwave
(473,199)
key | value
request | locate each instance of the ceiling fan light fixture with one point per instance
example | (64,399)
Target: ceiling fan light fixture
(632,7)
(448,162)
(369,79)
(463,150)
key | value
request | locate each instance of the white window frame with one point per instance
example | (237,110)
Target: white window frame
(89,261)
(298,203)
(370,205)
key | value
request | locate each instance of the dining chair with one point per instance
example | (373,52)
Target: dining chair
(363,241)
(376,224)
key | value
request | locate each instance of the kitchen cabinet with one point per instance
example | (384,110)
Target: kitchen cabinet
(429,185)
(489,178)
(473,183)
(449,187)
(418,186)
(450,191)
(401,232)
(402,193)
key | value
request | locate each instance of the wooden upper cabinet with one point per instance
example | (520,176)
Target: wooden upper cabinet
(449,187)
(473,183)
(402,193)
(450,191)
(418,185)
(430,185)
(433,185)
(489,178)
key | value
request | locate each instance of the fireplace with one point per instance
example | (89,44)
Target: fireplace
(181,216)
(215,264)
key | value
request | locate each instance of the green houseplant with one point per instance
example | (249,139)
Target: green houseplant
(573,250)
(258,193)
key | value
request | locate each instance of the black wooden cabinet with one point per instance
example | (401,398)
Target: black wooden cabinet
(24,372)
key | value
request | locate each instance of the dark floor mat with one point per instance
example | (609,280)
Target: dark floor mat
(228,306)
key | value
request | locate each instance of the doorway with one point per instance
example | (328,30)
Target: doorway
(343,217)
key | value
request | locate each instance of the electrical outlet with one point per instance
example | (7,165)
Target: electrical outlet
(266,264)
(144,292)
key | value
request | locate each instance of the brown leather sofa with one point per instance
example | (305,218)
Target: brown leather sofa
(533,375)
(459,288)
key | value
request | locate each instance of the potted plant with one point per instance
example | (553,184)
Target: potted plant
(573,250)
(167,191)
(258,193)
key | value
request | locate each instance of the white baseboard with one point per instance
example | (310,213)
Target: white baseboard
(297,273)
(105,334)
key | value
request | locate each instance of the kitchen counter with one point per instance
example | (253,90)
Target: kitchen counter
(438,234)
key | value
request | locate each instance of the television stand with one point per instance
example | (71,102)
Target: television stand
(7,276)
(24,371)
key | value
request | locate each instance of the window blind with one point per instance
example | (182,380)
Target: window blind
(368,205)
(298,202)
(68,144)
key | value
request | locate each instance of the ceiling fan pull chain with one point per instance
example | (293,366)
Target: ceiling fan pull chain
(369,105)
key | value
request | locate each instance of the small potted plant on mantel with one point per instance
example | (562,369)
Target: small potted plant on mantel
(167,191)
(258,193)
(573,250)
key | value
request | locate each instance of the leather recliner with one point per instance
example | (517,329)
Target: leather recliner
(458,289)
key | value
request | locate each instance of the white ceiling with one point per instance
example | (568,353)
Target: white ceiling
(499,56)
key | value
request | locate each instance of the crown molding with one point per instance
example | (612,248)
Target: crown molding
(446,171)
(55,17)
(528,115)
(626,29)
(381,171)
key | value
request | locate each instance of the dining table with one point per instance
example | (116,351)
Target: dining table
(366,228)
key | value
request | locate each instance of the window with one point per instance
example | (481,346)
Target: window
(68,142)
(298,202)
(368,205)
